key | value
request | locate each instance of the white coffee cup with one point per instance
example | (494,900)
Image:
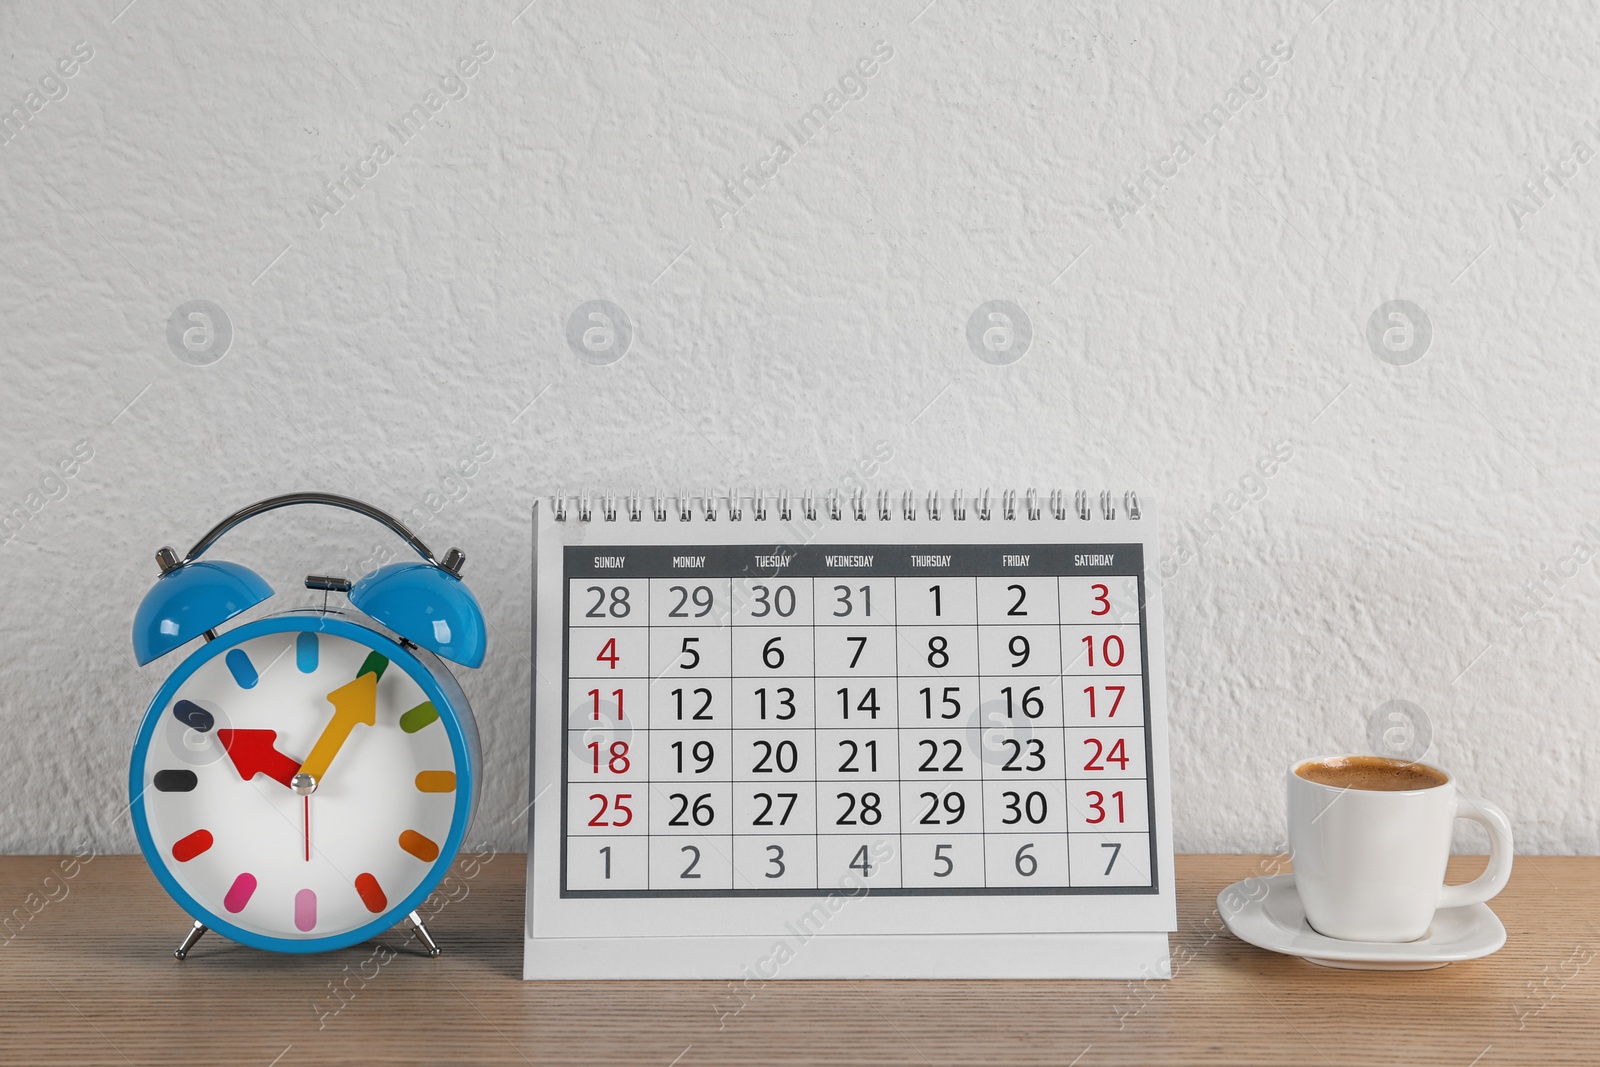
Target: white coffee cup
(1369,861)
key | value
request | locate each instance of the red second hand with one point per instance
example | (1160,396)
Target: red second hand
(308,829)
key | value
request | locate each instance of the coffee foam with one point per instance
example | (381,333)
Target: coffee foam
(1377,773)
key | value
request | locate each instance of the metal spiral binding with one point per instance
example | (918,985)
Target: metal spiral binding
(1102,505)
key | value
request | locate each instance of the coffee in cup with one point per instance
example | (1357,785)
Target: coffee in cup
(1371,772)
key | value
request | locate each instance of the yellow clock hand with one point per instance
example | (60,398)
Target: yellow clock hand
(355,703)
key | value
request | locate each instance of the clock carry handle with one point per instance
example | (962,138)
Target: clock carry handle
(452,561)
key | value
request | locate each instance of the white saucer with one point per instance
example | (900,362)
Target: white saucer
(1271,918)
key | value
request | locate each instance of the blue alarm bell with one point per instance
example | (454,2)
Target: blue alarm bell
(303,781)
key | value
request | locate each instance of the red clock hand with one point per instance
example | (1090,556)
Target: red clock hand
(253,753)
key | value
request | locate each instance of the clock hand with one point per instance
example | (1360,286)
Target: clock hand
(253,753)
(354,703)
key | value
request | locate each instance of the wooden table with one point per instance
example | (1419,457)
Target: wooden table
(87,976)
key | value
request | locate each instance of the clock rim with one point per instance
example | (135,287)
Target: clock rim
(437,684)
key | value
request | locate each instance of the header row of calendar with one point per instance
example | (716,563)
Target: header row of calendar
(865,560)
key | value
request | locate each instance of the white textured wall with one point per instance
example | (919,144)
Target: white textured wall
(1178,337)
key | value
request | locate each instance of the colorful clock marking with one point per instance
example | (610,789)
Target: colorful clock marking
(371,893)
(418,717)
(305,910)
(305,653)
(240,892)
(419,846)
(436,781)
(375,663)
(193,715)
(243,671)
(187,848)
(175,780)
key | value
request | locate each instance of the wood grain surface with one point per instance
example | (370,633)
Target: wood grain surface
(87,977)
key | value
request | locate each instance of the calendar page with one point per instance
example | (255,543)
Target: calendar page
(866,743)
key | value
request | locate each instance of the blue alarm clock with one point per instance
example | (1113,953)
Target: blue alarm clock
(303,781)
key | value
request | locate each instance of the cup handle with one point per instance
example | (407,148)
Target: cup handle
(1498,872)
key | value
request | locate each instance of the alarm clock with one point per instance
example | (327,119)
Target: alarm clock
(302,781)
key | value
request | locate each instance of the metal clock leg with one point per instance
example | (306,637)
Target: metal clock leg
(182,951)
(422,935)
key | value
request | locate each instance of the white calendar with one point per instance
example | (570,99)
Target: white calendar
(779,738)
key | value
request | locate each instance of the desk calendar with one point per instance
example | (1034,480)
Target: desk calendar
(778,738)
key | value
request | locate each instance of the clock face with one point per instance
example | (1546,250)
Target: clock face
(299,785)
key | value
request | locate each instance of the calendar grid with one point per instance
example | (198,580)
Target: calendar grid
(665,804)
